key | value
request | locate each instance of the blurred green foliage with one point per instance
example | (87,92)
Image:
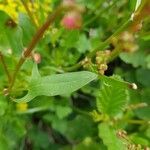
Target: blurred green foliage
(105,114)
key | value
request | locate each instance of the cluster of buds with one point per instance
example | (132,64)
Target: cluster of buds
(72,19)
(134,147)
(86,63)
(127,41)
(122,134)
(97,117)
(101,60)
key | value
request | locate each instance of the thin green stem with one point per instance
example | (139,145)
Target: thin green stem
(138,122)
(104,44)
(114,54)
(5,67)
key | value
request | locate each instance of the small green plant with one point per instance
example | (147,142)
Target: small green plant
(74,75)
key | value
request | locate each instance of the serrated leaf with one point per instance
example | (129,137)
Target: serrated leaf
(109,137)
(58,84)
(113,96)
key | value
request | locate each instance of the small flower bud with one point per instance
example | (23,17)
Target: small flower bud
(5,92)
(21,107)
(72,20)
(68,3)
(37,58)
(133,86)
(103,67)
(122,134)
(127,37)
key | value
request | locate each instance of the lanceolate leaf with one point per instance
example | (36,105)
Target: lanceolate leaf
(113,96)
(58,84)
(109,137)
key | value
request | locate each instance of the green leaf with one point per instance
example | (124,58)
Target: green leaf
(12,32)
(142,76)
(63,111)
(89,144)
(83,44)
(136,59)
(27,27)
(113,96)
(79,128)
(109,137)
(58,84)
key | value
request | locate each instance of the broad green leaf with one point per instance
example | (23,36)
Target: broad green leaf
(113,96)
(28,28)
(109,137)
(58,84)
(12,32)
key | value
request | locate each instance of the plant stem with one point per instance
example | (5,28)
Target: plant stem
(29,13)
(35,40)
(5,67)
(114,54)
(129,24)
(138,122)
(102,46)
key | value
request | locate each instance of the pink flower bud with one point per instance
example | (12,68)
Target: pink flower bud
(36,58)
(68,2)
(72,20)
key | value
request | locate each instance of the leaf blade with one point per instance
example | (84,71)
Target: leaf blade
(58,84)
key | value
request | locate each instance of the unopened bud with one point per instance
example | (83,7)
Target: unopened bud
(37,58)
(21,107)
(133,86)
(127,37)
(68,3)
(103,67)
(5,92)
(122,134)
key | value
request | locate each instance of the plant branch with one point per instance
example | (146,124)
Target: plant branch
(5,67)
(139,15)
(35,40)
